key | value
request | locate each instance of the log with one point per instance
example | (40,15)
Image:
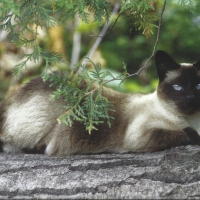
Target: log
(173,174)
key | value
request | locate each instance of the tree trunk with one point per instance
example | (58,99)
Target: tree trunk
(169,174)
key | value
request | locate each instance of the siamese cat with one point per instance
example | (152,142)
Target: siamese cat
(166,118)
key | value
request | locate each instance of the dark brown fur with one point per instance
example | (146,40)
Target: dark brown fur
(161,139)
(105,138)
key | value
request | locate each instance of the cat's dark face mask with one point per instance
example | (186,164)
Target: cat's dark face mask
(179,85)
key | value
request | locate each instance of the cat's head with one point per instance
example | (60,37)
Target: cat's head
(179,84)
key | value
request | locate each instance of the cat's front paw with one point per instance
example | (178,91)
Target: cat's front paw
(193,135)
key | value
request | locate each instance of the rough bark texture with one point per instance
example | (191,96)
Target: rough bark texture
(169,174)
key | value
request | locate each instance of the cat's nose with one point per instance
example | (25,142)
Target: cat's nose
(190,97)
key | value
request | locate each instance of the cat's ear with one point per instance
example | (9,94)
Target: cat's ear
(164,63)
(197,64)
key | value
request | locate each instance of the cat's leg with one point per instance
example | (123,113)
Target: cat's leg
(59,144)
(161,139)
(8,148)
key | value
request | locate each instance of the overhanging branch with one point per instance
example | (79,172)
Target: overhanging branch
(156,42)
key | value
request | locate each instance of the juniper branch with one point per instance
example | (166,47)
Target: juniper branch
(103,32)
(127,75)
(155,45)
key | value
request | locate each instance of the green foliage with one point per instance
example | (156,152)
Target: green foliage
(138,88)
(142,14)
(189,4)
(22,19)
(99,8)
(178,25)
(83,97)
(184,45)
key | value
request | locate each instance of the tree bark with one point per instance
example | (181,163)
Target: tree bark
(169,174)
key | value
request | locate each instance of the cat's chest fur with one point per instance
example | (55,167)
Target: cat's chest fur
(149,111)
(150,114)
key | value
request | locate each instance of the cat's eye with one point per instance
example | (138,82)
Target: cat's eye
(198,86)
(178,87)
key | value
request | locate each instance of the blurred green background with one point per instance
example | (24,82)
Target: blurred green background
(180,37)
